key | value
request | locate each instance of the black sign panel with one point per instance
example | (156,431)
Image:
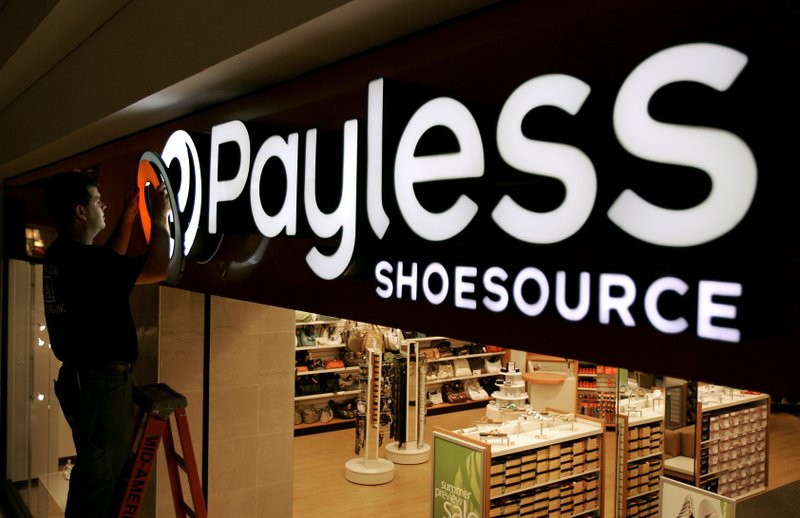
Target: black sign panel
(609,181)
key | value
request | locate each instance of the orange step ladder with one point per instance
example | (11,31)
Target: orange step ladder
(155,404)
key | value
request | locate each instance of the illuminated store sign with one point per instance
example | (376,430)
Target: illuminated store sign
(723,156)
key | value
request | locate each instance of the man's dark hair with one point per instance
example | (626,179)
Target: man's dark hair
(63,193)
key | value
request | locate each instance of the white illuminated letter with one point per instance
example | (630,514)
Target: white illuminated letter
(651,304)
(578,312)
(344,217)
(531,274)
(438,269)
(619,304)
(567,164)
(181,147)
(382,271)
(226,190)
(286,152)
(378,219)
(495,272)
(722,155)
(409,280)
(410,169)
(462,287)
(707,309)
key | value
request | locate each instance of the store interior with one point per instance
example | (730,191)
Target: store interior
(306,413)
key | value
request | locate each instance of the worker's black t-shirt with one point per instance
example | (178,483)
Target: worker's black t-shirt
(86,302)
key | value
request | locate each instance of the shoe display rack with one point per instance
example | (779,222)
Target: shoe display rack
(640,461)
(510,400)
(550,464)
(409,446)
(597,391)
(441,371)
(368,468)
(733,431)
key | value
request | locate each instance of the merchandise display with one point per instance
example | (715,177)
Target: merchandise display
(458,372)
(640,432)
(510,400)
(543,464)
(732,458)
(372,417)
(597,391)
(409,446)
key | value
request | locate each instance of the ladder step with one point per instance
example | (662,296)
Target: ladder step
(188,510)
(180,461)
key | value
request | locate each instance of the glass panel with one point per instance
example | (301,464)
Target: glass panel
(38,433)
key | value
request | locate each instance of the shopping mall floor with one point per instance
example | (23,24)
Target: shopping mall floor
(321,489)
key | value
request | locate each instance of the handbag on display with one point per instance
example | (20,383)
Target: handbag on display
(432,371)
(444,349)
(303,316)
(475,391)
(492,365)
(307,386)
(353,358)
(348,381)
(462,368)
(344,409)
(329,336)
(445,370)
(430,353)
(352,337)
(310,415)
(306,337)
(435,397)
(454,392)
(334,364)
(391,340)
(460,350)
(325,414)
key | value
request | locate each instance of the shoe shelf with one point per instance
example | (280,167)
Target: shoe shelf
(538,469)
(732,443)
(334,424)
(326,396)
(640,463)
(327,371)
(597,391)
(446,407)
(319,347)
(439,381)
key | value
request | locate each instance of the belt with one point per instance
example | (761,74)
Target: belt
(100,368)
(87,372)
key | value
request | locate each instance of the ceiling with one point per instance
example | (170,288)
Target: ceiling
(75,75)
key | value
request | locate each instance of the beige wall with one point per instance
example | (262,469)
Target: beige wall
(251,399)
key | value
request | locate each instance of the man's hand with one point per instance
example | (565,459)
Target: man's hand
(159,205)
(131,208)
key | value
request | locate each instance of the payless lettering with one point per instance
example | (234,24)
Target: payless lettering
(724,157)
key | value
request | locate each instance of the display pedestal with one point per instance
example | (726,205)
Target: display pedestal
(408,453)
(369,472)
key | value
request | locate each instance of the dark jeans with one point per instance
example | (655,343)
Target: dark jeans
(99,409)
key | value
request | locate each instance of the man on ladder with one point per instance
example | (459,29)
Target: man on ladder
(86,290)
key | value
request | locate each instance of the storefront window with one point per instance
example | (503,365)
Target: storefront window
(40,446)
